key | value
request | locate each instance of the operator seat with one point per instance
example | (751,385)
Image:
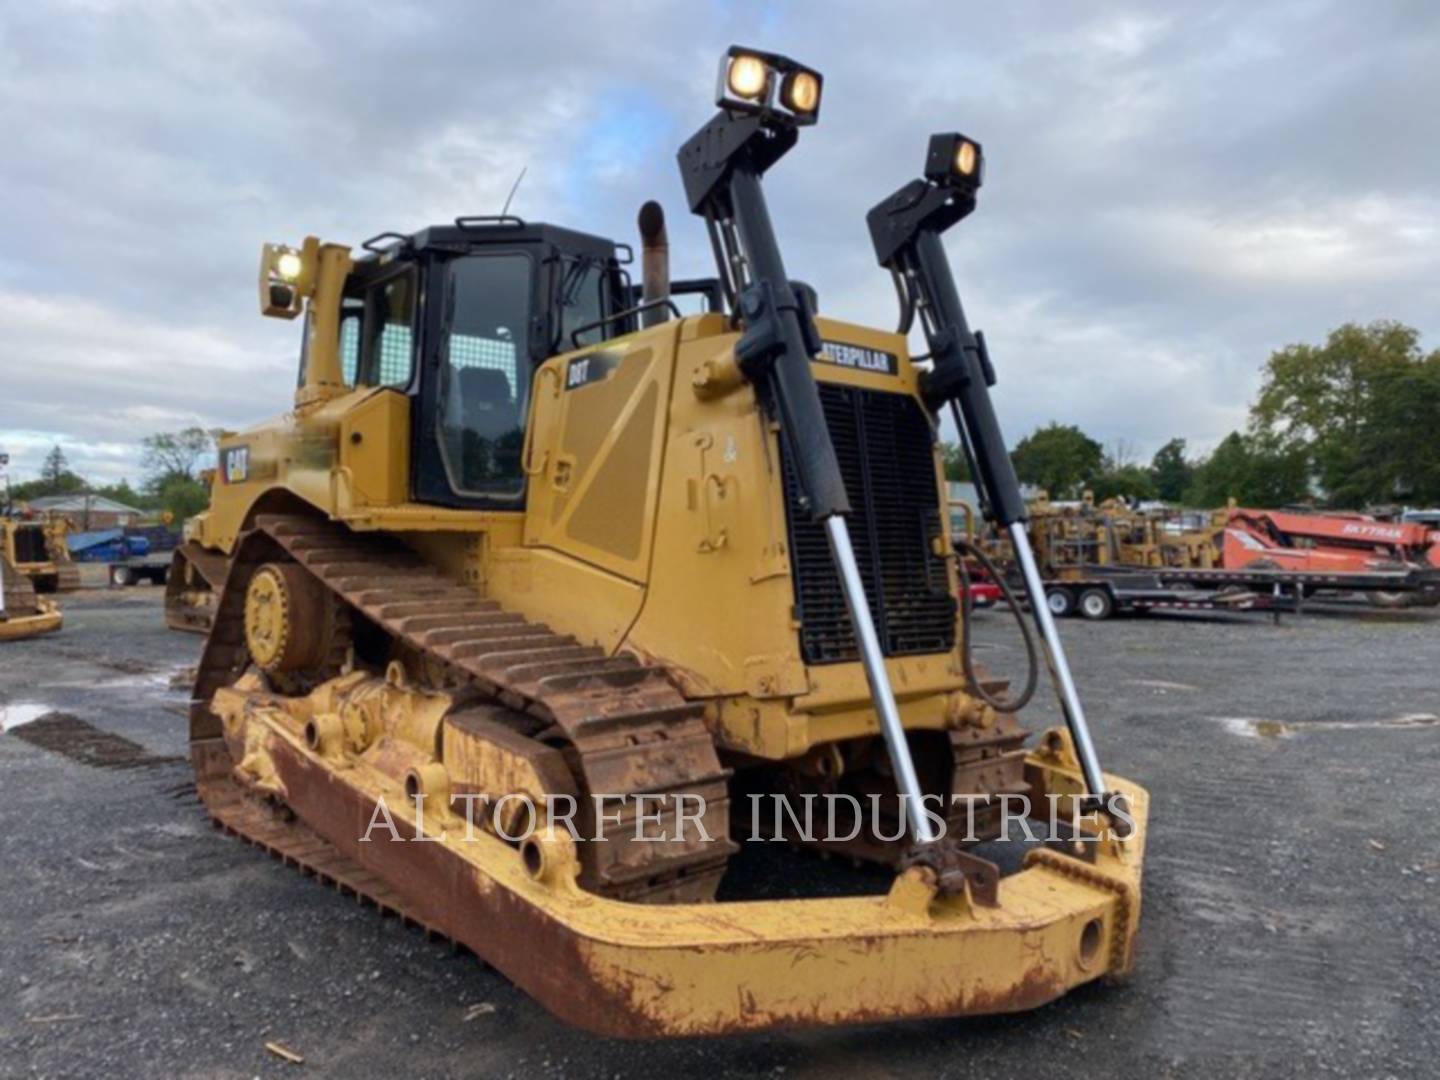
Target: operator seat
(488,414)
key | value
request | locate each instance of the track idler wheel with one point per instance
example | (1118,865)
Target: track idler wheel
(288,619)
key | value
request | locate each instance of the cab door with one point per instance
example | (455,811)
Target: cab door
(475,383)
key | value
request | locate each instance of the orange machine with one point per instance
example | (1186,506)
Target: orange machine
(1335,542)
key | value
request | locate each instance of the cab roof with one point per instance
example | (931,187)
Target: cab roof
(476,233)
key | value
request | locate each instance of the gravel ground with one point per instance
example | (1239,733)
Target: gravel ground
(1290,925)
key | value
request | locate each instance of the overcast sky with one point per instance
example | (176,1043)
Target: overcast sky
(1173,189)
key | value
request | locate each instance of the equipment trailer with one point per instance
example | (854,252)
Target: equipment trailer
(1417,585)
(1102,592)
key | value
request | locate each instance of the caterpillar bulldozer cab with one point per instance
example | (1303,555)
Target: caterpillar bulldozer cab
(542,590)
(452,322)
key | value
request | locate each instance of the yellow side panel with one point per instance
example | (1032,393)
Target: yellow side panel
(375,449)
(596,446)
(571,596)
(719,607)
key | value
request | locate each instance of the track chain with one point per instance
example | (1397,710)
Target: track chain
(624,727)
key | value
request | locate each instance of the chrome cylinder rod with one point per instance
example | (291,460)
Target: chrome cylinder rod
(906,782)
(1059,666)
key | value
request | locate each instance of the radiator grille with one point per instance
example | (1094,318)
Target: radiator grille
(884,445)
(30,544)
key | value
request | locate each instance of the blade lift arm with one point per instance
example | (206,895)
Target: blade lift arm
(906,230)
(721,166)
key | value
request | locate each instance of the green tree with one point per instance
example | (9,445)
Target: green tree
(1337,404)
(124,493)
(1250,470)
(957,469)
(1060,458)
(1277,474)
(183,496)
(1123,481)
(1398,461)
(1223,475)
(176,453)
(172,462)
(55,479)
(1171,472)
(55,465)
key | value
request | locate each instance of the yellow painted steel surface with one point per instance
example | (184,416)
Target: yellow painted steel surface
(655,523)
(18,627)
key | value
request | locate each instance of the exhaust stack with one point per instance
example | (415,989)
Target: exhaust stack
(654,263)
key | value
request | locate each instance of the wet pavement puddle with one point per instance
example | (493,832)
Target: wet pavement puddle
(79,740)
(1251,728)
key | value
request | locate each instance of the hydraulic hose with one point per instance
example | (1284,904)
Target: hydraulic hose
(967,549)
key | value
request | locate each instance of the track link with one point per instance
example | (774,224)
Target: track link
(623,726)
(185,608)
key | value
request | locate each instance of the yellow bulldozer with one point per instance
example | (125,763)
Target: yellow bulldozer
(37,549)
(23,614)
(541,588)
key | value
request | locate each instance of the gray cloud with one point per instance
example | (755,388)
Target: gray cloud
(1173,190)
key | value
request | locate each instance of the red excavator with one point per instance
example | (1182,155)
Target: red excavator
(1336,542)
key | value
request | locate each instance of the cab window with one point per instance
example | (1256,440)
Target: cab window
(352,311)
(377,333)
(390,312)
(584,297)
(484,374)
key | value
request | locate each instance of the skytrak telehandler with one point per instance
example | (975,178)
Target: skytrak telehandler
(528,545)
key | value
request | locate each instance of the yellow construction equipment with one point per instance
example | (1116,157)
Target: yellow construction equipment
(1072,539)
(22,613)
(37,549)
(539,578)
(193,583)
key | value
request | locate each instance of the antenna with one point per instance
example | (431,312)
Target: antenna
(513,188)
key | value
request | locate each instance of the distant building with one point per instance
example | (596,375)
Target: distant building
(87,512)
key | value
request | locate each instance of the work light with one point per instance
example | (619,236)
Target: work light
(286,277)
(748,77)
(800,92)
(768,85)
(288,264)
(955,161)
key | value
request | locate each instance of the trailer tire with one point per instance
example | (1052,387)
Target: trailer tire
(122,576)
(1391,600)
(1096,604)
(1061,602)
